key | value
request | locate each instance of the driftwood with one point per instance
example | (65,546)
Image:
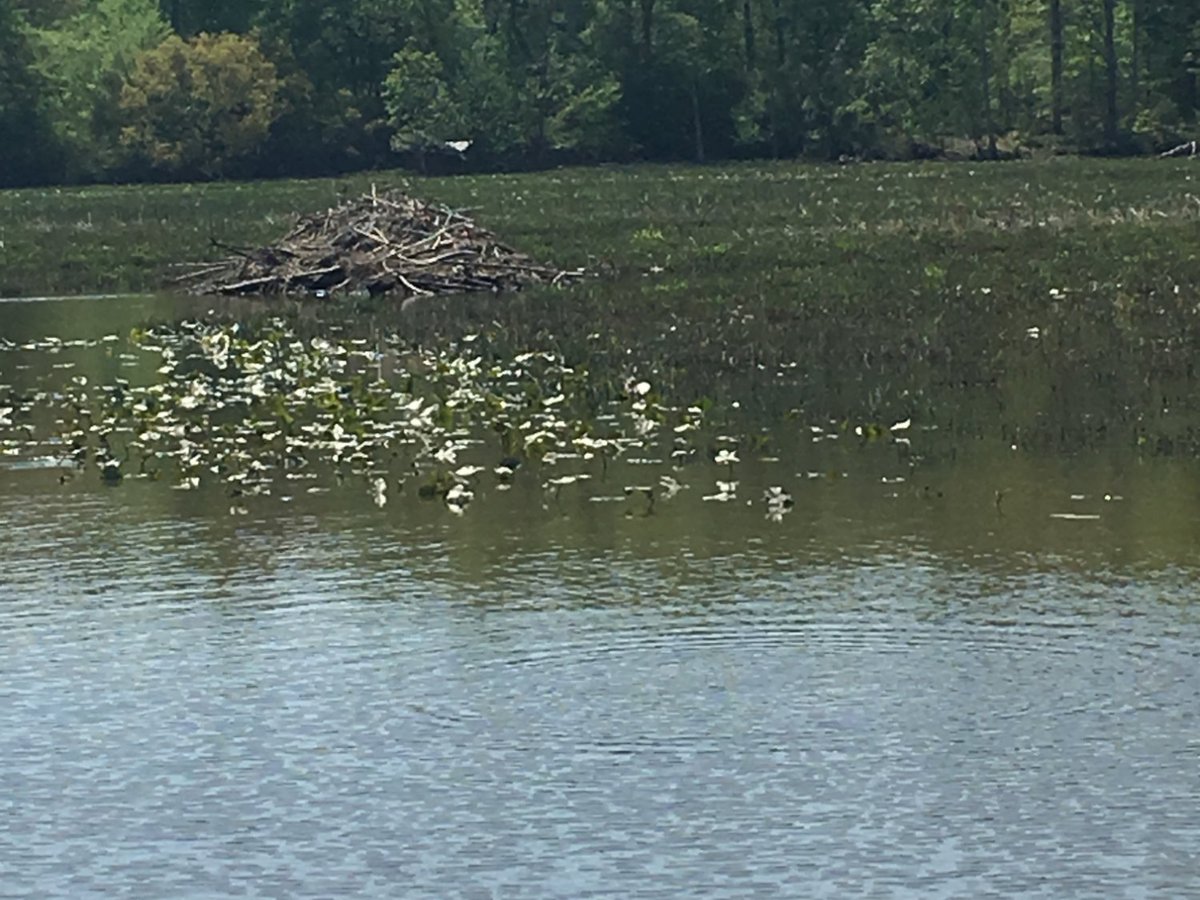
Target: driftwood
(380,243)
(1187,148)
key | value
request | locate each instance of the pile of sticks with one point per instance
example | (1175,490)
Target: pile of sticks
(381,243)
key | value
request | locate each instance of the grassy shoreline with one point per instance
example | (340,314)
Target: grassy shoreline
(778,228)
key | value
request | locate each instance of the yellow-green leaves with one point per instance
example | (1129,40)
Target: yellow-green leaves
(200,106)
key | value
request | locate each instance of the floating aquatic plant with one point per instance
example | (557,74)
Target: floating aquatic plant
(254,409)
(726,491)
(779,503)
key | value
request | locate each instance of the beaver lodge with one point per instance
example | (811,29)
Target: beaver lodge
(381,243)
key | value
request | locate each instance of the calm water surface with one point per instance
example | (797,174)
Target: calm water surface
(901,689)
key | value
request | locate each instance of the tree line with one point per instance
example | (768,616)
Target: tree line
(173,89)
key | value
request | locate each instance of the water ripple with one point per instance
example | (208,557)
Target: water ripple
(316,708)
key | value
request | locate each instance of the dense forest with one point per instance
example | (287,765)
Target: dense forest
(182,89)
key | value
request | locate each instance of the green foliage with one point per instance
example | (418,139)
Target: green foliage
(419,103)
(190,17)
(83,60)
(496,118)
(585,119)
(345,50)
(200,107)
(525,90)
(27,148)
(808,66)
(921,74)
(532,82)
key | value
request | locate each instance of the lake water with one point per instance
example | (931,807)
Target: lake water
(963,663)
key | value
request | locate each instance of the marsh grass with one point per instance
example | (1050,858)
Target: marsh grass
(865,231)
(1050,304)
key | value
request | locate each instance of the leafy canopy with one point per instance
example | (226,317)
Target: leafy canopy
(200,107)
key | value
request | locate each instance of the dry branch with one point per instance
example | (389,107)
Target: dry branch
(1187,148)
(378,244)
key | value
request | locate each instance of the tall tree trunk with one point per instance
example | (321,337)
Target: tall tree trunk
(697,125)
(647,26)
(1135,61)
(779,37)
(1110,73)
(1002,75)
(748,33)
(985,79)
(1056,66)
(1191,96)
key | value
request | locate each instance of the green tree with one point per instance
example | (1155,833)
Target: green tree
(44,13)
(582,108)
(345,50)
(937,70)
(680,73)
(1168,39)
(200,107)
(83,59)
(191,17)
(1108,17)
(566,99)
(1055,17)
(421,108)
(28,153)
(529,82)
(494,116)
(801,86)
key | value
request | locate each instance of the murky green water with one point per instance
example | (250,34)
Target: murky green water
(964,662)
